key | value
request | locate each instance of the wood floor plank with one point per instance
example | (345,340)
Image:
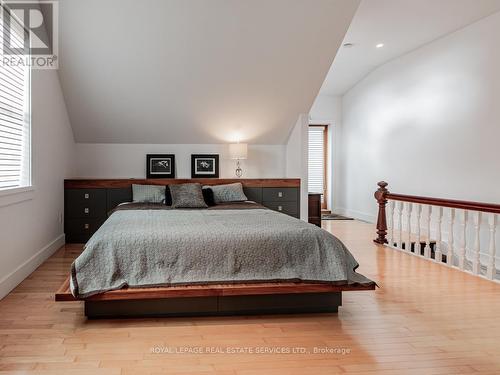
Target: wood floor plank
(425,319)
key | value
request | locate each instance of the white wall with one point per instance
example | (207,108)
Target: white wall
(297,160)
(31,230)
(264,161)
(129,160)
(327,110)
(428,123)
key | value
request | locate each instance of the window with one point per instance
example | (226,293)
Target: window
(317,160)
(15,116)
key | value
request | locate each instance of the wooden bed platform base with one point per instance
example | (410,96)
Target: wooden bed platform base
(217,299)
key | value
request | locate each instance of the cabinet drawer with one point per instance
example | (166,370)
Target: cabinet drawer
(86,195)
(83,226)
(280,194)
(289,208)
(85,203)
(85,209)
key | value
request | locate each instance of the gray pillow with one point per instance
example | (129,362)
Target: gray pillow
(187,196)
(148,193)
(228,193)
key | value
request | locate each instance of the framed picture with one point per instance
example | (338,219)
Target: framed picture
(160,166)
(205,166)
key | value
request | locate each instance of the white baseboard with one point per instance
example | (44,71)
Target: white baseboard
(355,214)
(14,278)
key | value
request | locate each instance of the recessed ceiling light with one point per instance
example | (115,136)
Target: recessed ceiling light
(380,45)
(348,45)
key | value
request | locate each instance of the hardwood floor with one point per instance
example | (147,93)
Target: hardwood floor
(424,319)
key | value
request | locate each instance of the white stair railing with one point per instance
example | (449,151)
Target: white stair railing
(459,244)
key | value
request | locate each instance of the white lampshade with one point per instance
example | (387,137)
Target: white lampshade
(238,151)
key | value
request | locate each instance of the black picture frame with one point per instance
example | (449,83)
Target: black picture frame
(160,166)
(210,169)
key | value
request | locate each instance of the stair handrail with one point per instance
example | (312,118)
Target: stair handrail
(382,195)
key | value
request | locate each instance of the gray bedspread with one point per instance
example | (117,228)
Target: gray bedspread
(158,247)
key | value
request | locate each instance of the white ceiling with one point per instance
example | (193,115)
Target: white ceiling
(402,25)
(197,71)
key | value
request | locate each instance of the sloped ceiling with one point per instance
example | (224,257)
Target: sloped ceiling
(402,25)
(195,71)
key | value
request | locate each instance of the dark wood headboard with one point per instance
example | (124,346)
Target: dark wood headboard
(122,183)
(88,201)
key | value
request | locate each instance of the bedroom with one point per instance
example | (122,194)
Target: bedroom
(209,103)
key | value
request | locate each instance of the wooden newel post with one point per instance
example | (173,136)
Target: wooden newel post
(380,196)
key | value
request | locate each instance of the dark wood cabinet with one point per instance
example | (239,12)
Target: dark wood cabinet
(284,200)
(84,212)
(314,204)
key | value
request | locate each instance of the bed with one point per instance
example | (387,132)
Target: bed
(151,260)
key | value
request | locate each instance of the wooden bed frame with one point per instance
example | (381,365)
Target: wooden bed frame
(216,299)
(256,298)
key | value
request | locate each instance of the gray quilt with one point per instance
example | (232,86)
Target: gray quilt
(158,247)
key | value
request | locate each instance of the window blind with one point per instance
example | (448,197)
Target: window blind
(15,143)
(317,150)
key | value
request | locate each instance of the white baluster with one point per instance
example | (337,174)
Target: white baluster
(449,255)
(399,208)
(427,248)
(419,215)
(409,208)
(490,273)
(476,263)
(437,252)
(390,224)
(463,242)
